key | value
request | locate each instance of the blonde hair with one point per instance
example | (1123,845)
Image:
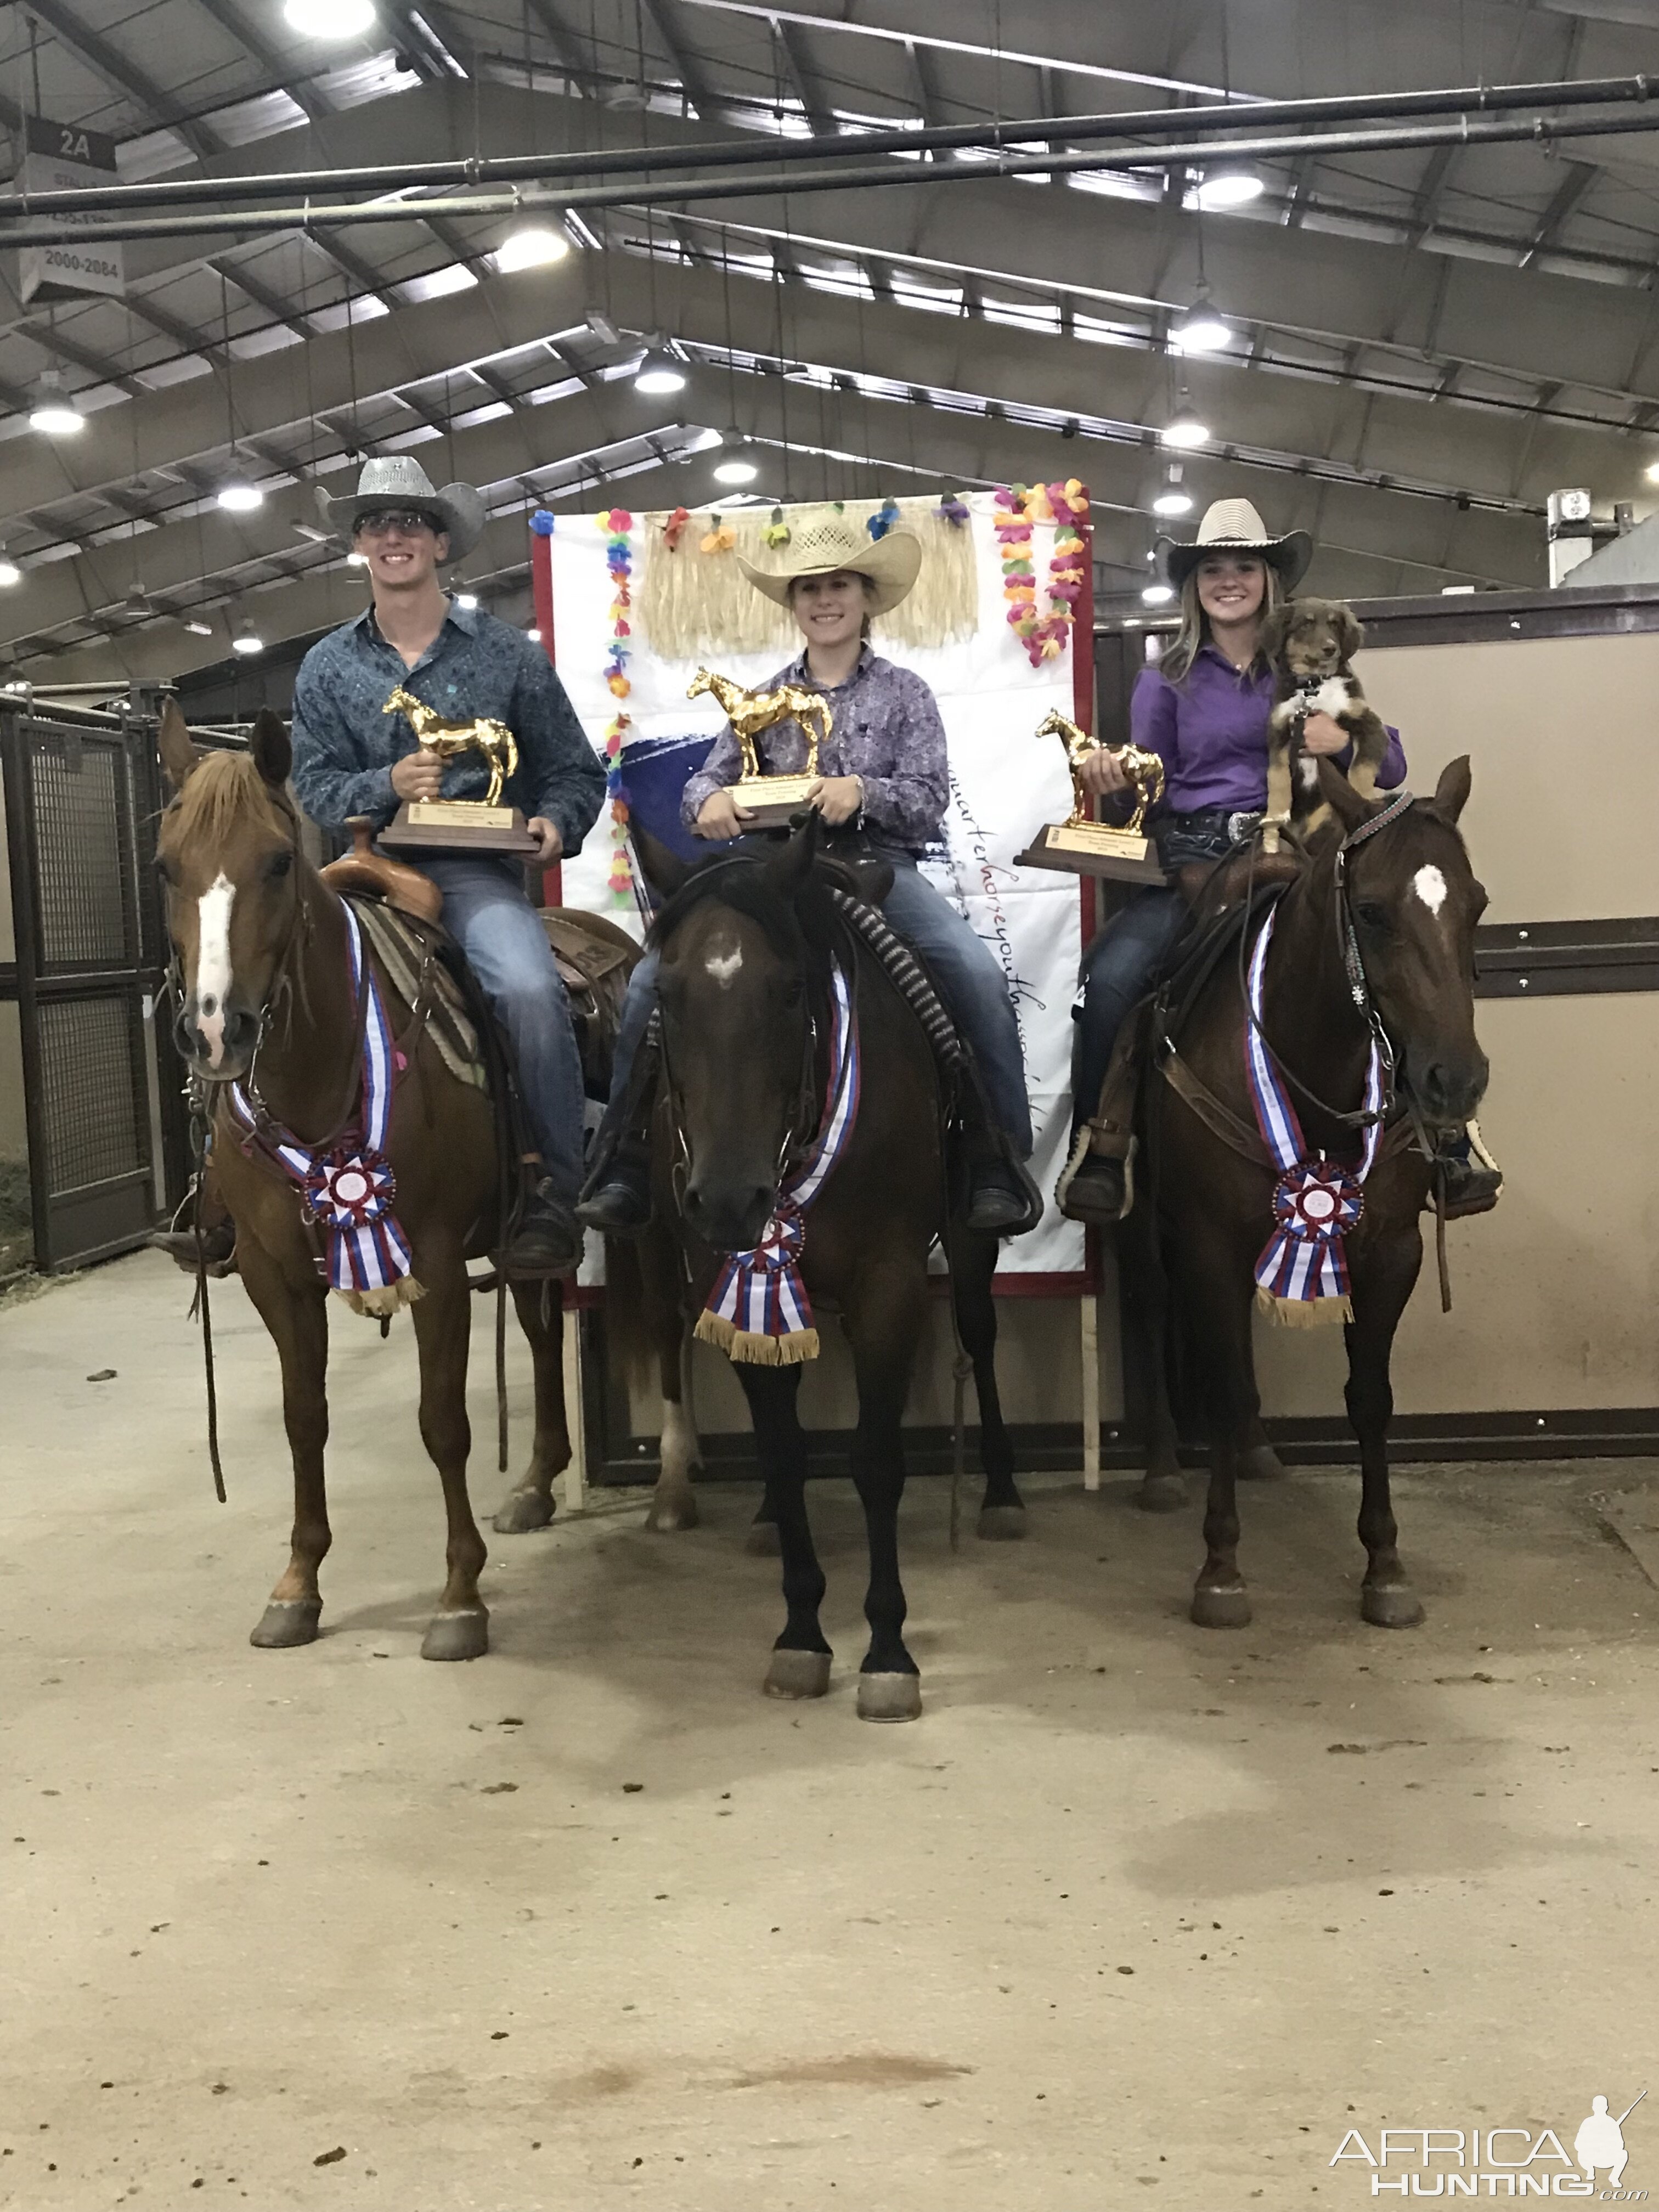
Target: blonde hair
(1194,631)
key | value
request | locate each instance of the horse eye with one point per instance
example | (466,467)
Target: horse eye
(280,865)
(1369,915)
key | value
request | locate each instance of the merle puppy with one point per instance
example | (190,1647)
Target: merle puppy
(1311,644)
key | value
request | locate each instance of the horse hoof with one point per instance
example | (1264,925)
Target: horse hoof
(890,1696)
(669,1513)
(797,1675)
(763,1539)
(457,1635)
(1261,1463)
(1221,1608)
(1001,1524)
(1162,1493)
(521,1511)
(1390,1604)
(287,1621)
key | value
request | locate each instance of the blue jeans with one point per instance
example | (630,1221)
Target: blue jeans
(1118,969)
(486,911)
(970,980)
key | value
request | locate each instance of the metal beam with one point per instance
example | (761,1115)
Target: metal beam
(123,75)
(697,86)
(1580,176)
(278,66)
(815,108)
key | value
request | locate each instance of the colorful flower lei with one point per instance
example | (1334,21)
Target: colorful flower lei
(1019,507)
(618,526)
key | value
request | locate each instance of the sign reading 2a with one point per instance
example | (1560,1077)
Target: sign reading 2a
(66,157)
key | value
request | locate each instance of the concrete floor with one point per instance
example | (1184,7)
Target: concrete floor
(1134,1914)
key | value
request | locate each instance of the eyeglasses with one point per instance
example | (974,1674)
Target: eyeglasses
(380,520)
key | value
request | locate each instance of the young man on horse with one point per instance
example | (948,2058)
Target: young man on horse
(885,771)
(1203,709)
(352,759)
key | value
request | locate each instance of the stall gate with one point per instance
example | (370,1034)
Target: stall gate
(79,1104)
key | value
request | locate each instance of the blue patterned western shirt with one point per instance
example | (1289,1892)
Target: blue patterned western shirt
(476,667)
(886,729)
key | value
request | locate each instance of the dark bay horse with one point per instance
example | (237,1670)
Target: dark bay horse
(1414,902)
(746,947)
(267,1000)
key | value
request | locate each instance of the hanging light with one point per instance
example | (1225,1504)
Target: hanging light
(1227,188)
(54,414)
(533,246)
(11,573)
(659,373)
(239,496)
(1201,330)
(199,628)
(329,19)
(245,639)
(1158,595)
(1173,500)
(1185,427)
(739,466)
(468,600)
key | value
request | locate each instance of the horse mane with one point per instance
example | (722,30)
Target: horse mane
(224,788)
(801,924)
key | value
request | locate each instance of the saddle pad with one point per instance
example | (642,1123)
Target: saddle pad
(400,945)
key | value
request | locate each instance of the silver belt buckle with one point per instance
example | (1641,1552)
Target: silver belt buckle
(1242,824)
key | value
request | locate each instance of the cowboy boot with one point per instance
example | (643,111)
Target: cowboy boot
(1096,1186)
(1469,1176)
(177,1239)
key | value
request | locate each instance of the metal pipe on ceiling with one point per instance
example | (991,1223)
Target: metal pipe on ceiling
(1545,131)
(739,152)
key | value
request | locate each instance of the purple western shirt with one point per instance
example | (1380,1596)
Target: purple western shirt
(885,727)
(1210,732)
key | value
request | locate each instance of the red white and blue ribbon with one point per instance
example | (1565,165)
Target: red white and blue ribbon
(1315,1201)
(349,1189)
(758,1310)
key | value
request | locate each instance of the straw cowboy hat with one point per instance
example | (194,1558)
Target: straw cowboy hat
(1232,525)
(830,542)
(398,480)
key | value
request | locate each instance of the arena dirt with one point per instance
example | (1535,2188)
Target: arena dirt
(1135,1914)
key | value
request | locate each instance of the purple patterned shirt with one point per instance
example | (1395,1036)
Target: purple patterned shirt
(1211,731)
(886,729)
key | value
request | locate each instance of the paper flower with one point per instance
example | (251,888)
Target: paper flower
(674,527)
(882,520)
(777,531)
(721,538)
(952,509)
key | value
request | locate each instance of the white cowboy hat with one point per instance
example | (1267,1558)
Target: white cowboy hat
(830,542)
(1232,525)
(398,480)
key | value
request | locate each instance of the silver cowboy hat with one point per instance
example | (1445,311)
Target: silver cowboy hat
(398,480)
(1232,525)
(830,542)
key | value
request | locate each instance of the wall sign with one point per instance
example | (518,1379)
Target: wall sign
(61,157)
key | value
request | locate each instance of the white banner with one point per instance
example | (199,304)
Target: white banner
(63,157)
(1004,786)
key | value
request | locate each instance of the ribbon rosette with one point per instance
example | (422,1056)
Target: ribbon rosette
(348,1190)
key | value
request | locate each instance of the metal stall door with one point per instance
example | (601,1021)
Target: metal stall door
(78,976)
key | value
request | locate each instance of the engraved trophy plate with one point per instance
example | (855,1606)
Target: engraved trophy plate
(772,801)
(1080,845)
(459,825)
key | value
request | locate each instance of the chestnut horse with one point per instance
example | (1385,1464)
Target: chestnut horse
(1413,901)
(746,947)
(267,1001)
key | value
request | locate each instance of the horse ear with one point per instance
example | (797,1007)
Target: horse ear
(179,755)
(664,872)
(791,865)
(1344,801)
(273,754)
(1451,793)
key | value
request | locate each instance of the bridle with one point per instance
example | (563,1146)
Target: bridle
(1353,968)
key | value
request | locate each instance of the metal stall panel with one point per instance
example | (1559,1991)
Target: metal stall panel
(78,980)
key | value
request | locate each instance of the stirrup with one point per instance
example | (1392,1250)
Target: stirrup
(1084,1149)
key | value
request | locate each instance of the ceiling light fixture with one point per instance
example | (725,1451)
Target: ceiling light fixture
(1219,189)
(1185,427)
(739,466)
(245,639)
(1158,595)
(54,414)
(533,246)
(1201,330)
(659,373)
(239,496)
(1173,500)
(329,19)
(199,628)
(11,573)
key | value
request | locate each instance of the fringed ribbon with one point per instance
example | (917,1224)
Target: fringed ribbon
(349,1190)
(1301,1274)
(758,1312)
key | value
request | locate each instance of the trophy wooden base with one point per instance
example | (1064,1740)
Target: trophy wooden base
(457,825)
(773,801)
(1091,849)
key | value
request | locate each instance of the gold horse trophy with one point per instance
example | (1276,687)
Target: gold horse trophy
(770,799)
(1083,846)
(470,825)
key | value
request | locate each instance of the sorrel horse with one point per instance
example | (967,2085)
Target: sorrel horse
(748,947)
(1413,901)
(267,1001)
